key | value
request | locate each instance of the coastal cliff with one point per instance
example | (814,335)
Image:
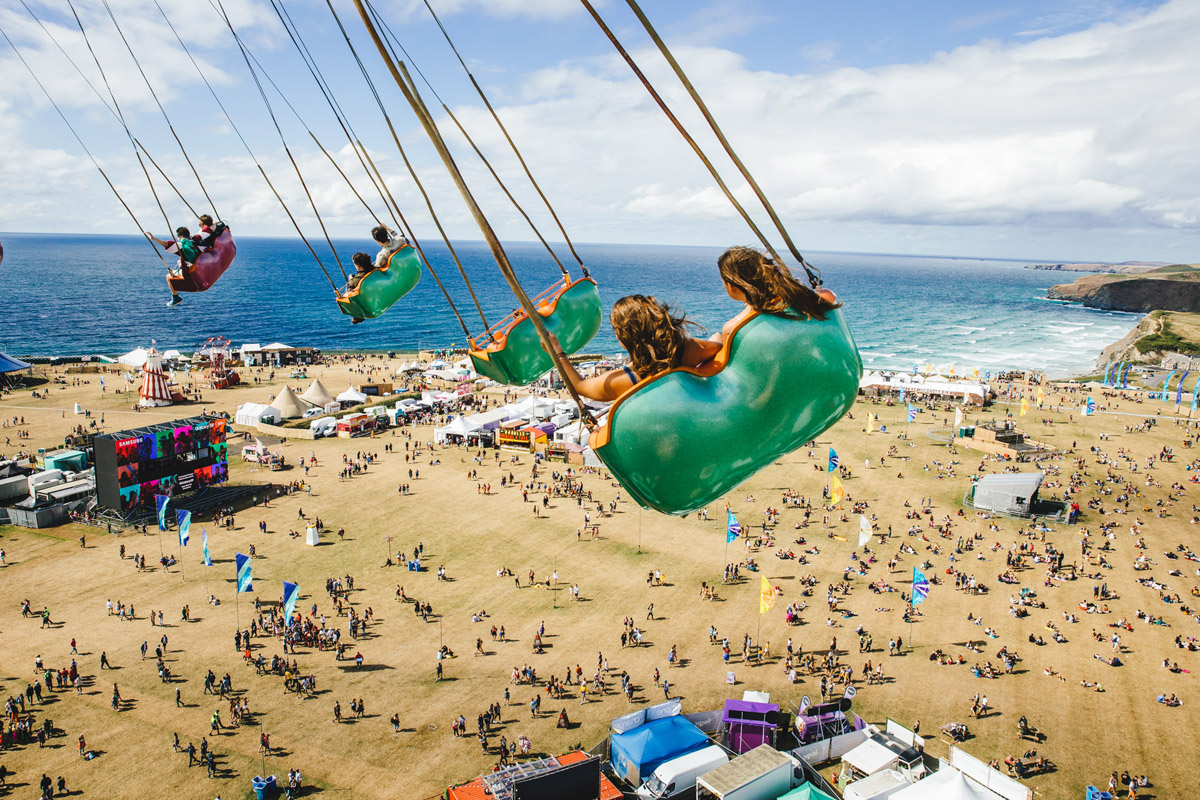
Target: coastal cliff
(1160,333)
(1125,267)
(1174,288)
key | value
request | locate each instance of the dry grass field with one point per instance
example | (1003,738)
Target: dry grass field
(473,535)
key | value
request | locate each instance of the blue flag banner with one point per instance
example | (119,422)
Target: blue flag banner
(1089,407)
(1195,393)
(1108,373)
(161,500)
(902,393)
(912,413)
(204,539)
(291,593)
(1179,390)
(920,587)
(733,529)
(1125,375)
(244,570)
(1170,375)
(833,460)
(185,525)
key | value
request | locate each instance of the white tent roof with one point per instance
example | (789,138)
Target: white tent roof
(886,783)
(278,346)
(168,355)
(253,413)
(317,394)
(289,406)
(870,757)
(134,358)
(250,348)
(351,395)
(946,784)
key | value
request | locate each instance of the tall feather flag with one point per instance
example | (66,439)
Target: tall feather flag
(920,587)
(766,596)
(161,501)
(185,525)
(1166,383)
(1089,407)
(1041,395)
(1024,406)
(864,530)
(1179,389)
(204,540)
(902,394)
(733,528)
(870,422)
(975,374)
(837,492)
(291,593)
(951,371)
(1195,394)
(912,412)
(244,573)
(958,416)
(833,460)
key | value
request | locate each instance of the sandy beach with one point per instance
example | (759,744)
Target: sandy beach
(473,535)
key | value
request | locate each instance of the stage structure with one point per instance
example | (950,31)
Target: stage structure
(171,458)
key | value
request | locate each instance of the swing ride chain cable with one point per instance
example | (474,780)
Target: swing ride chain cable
(271,112)
(389,201)
(249,152)
(157,250)
(158,103)
(507,138)
(682,131)
(105,103)
(412,95)
(413,174)
(121,116)
(319,79)
(420,250)
(814,274)
(499,181)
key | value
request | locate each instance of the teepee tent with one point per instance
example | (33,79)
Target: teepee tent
(317,394)
(154,391)
(288,405)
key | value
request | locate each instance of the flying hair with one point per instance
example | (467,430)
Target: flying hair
(653,335)
(770,288)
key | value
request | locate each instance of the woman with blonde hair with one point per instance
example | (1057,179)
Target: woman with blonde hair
(656,340)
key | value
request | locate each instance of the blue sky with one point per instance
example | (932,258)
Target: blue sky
(1009,129)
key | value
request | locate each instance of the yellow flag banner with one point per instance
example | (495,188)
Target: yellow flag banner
(1041,395)
(870,422)
(975,374)
(836,492)
(1024,406)
(766,596)
(951,370)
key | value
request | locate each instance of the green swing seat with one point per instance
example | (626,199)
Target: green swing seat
(511,352)
(381,288)
(681,439)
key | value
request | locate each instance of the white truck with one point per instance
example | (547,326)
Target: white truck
(678,776)
(764,773)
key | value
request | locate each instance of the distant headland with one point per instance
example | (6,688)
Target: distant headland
(1125,267)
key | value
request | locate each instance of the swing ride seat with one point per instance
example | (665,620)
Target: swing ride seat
(511,352)
(381,288)
(209,266)
(682,438)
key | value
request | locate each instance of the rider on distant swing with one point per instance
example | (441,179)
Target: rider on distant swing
(389,242)
(188,248)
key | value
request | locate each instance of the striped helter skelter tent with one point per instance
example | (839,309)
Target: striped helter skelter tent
(154,391)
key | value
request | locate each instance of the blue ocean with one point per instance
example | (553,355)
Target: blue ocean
(73,295)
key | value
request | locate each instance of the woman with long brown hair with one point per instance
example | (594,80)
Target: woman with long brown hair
(767,287)
(655,338)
